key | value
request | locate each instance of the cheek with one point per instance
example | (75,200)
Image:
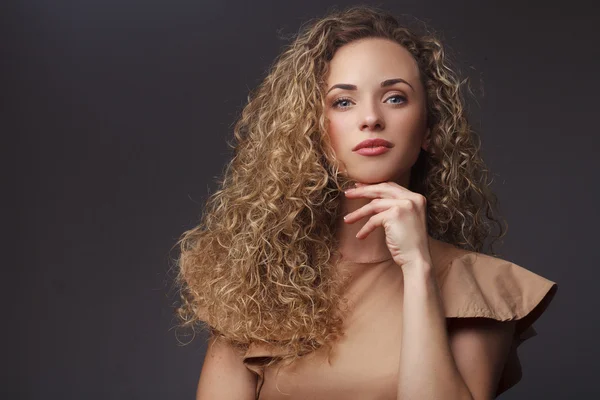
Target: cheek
(335,131)
(409,120)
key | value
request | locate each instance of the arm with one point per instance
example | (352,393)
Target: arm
(463,365)
(224,376)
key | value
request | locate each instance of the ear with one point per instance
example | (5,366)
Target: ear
(426,140)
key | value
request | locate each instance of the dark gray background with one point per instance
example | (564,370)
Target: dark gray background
(115,116)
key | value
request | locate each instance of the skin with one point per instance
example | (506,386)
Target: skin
(439,359)
(461,359)
(396,113)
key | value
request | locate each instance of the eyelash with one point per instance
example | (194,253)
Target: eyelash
(337,101)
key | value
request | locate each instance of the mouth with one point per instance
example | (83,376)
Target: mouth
(373,143)
(372,151)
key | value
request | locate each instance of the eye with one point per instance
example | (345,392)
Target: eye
(398,97)
(342,102)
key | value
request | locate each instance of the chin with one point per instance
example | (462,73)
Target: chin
(370,179)
(374,177)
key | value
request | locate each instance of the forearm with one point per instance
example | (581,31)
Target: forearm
(427,367)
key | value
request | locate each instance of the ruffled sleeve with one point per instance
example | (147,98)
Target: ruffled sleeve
(479,285)
(472,285)
(255,357)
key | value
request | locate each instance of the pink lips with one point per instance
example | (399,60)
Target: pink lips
(373,147)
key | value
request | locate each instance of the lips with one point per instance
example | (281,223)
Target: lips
(373,143)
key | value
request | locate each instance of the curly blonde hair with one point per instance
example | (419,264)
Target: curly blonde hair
(259,266)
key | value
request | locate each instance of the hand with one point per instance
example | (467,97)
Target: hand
(402,214)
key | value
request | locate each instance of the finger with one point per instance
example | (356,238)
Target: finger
(374,206)
(372,223)
(389,190)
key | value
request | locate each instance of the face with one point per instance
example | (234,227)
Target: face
(374,91)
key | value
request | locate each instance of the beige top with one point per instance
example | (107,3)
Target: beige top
(365,361)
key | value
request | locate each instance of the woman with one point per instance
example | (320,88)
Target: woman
(311,291)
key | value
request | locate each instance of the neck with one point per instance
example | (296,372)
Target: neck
(368,249)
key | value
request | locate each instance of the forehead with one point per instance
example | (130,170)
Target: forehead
(372,59)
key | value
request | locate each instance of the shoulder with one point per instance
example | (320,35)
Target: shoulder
(479,285)
(474,284)
(489,296)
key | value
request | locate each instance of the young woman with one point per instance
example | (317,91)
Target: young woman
(313,291)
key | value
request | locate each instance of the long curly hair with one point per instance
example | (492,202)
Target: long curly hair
(259,267)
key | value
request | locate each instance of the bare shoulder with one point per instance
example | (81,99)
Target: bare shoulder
(224,375)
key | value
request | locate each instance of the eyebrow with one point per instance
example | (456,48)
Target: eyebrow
(387,82)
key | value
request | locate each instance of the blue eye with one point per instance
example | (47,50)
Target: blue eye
(339,103)
(336,104)
(398,97)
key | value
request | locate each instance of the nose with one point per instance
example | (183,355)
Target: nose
(372,119)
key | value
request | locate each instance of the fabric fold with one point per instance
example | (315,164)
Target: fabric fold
(255,357)
(471,285)
(478,285)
